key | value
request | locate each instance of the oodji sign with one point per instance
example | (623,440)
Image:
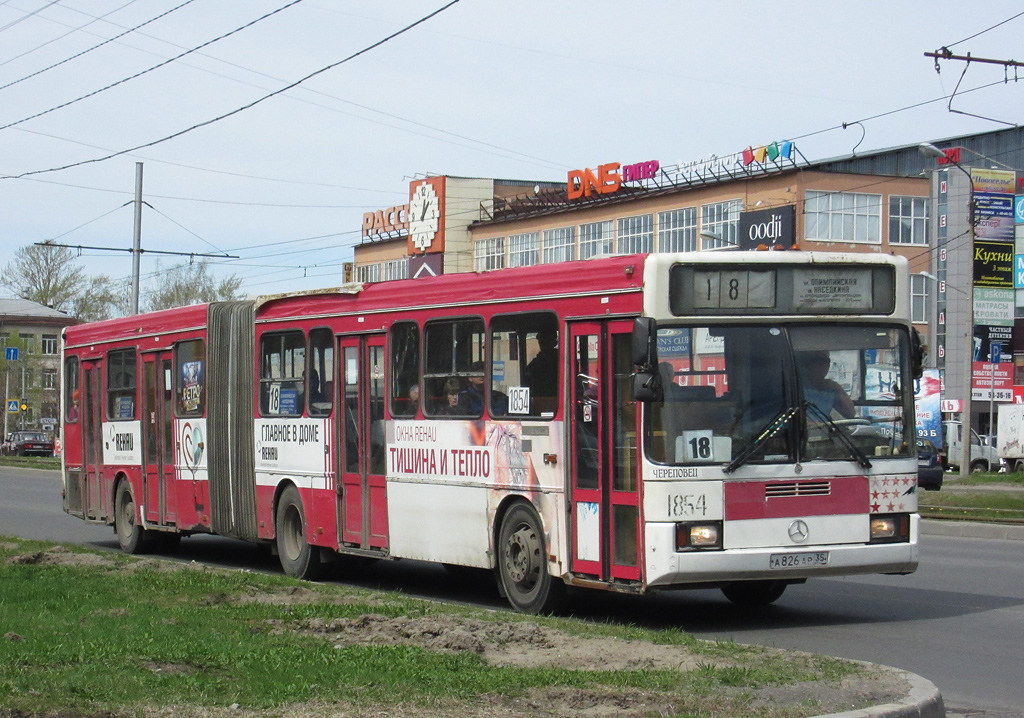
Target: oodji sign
(768,227)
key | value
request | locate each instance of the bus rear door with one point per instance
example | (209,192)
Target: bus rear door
(93,504)
(363,511)
(158,439)
(605,541)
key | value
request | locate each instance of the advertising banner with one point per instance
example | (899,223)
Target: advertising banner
(993,363)
(993,264)
(927,394)
(993,307)
(993,204)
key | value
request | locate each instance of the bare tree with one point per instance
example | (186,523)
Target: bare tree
(45,274)
(186,284)
(51,276)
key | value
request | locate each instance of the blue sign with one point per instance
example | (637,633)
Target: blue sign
(12,353)
(1018,271)
(995,352)
(1018,209)
(12,406)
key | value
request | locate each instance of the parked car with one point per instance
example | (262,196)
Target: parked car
(929,466)
(25,443)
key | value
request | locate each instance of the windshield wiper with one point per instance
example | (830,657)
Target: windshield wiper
(834,430)
(769,430)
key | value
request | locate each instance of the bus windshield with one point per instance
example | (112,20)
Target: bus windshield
(786,393)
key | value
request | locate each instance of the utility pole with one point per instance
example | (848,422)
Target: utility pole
(137,238)
(136,249)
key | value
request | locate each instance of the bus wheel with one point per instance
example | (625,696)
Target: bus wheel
(298,558)
(754,593)
(131,537)
(523,566)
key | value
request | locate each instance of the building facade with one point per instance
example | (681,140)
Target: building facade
(30,335)
(895,201)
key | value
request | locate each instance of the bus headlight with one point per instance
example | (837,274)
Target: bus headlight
(704,535)
(890,528)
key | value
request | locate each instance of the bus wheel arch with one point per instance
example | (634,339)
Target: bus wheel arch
(522,560)
(298,558)
(131,536)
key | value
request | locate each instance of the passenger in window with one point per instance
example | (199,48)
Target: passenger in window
(452,390)
(542,371)
(471,401)
(823,393)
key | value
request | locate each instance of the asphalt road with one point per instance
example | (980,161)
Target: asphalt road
(958,621)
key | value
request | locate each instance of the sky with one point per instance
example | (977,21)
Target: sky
(514,90)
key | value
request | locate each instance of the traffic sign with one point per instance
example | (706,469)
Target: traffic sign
(12,353)
(13,406)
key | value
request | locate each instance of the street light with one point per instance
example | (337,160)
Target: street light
(929,150)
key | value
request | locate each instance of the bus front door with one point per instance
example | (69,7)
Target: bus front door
(93,505)
(362,508)
(605,521)
(158,439)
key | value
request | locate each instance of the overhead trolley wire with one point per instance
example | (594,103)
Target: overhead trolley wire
(94,47)
(243,108)
(151,69)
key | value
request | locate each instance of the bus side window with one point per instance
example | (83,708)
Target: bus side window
(122,372)
(320,373)
(525,367)
(282,365)
(454,353)
(405,369)
(72,395)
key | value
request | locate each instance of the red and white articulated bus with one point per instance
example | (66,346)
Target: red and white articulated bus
(735,420)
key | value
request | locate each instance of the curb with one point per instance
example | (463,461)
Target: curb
(922,701)
(972,529)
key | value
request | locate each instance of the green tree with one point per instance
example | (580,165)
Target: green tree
(191,283)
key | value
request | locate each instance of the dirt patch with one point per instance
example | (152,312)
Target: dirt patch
(60,556)
(502,643)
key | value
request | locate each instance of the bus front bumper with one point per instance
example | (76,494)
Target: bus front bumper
(667,566)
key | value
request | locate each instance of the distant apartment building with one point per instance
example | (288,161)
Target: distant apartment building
(30,342)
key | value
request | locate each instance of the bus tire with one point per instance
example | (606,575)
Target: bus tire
(978,466)
(131,537)
(523,563)
(298,558)
(754,593)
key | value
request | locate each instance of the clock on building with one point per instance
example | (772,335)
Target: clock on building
(423,216)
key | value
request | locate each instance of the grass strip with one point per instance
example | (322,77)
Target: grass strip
(106,632)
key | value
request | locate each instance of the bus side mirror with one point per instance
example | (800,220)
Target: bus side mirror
(647,386)
(646,380)
(645,343)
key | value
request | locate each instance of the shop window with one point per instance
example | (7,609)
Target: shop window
(677,230)
(908,220)
(843,217)
(524,249)
(636,234)
(559,245)
(719,224)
